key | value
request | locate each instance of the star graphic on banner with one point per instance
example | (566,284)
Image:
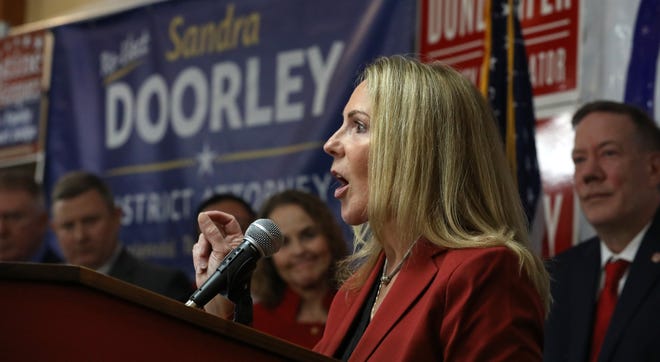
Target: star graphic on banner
(205,160)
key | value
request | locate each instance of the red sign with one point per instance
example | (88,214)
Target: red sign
(453,31)
(24,76)
(550,29)
(559,207)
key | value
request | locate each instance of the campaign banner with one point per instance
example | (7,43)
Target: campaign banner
(551,31)
(24,81)
(178,100)
(453,31)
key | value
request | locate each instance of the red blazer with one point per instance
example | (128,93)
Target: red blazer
(454,305)
(282,322)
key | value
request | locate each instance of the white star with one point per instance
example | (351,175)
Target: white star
(505,9)
(205,160)
(530,195)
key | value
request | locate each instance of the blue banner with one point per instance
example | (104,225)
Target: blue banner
(178,100)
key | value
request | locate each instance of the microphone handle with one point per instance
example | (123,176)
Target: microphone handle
(218,282)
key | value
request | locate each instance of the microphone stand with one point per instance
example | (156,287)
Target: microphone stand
(242,299)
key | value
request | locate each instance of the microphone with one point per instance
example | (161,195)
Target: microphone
(262,239)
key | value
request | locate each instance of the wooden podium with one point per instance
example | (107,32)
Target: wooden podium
(51,312)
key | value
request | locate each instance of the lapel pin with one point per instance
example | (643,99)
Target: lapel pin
(655,258)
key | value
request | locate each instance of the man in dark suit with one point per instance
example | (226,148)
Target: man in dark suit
(617,179)
(86,222)
(23,219)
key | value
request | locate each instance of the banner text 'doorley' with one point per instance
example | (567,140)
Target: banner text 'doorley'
(217,97)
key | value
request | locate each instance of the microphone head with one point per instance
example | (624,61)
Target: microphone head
(265,236)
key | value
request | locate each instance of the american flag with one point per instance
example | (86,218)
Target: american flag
(505,82)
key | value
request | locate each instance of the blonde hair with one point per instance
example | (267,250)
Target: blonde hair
(437,168)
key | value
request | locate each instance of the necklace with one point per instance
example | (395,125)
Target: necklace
(385,279)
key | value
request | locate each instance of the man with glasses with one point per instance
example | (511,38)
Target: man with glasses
(23,219)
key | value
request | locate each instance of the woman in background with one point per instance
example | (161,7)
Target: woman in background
(293,288)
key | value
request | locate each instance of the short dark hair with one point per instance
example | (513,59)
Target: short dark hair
(215,198)
(647,129)
(21,179)
(76,183)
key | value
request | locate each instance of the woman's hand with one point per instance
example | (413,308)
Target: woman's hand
(220,234)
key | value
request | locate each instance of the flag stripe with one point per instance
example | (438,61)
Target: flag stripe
(505,82)
(485,64)
(510,115)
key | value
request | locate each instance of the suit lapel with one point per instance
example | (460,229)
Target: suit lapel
(584,284)
(354,308)
(642,275)
(414,278)
(123,267)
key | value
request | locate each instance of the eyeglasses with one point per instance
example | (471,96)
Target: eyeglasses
(14,217)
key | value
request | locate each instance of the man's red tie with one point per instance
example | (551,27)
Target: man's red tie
(606,302)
